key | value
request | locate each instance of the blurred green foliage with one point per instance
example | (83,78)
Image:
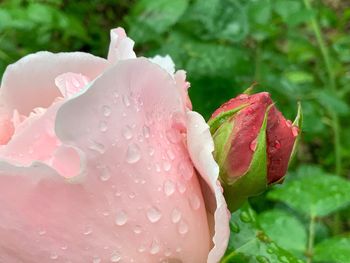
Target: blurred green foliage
(298,50)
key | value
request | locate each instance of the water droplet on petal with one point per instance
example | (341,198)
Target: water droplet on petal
(186,170)
(115,257)
(133,154)
(155,248)
(153,214)
(53,256)
(137,229)
(126,101)
(127,132)
(96,260)
(295,131)
(253,145)
(121,218)
(103,126)
(106,110)
(142,249)
(169,187)
(170,154)
(176,215)
(151,151)
(243,96)
(166,166)
(194,201)
(182,228)
(146,131)
(181,187)
(277,144)
(87,231)
(289,123)
(97,147)
(132,195)
(42,232)
(105,175)
(173,136)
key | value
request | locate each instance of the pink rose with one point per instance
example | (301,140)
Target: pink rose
(104,161)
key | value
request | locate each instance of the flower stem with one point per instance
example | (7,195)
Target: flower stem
(311,238)
(332,85)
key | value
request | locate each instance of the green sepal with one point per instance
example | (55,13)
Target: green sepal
(254,181)
(297,122)
(222,144)
(216,122)
(250,90)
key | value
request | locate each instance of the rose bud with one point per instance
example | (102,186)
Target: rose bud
(254,144)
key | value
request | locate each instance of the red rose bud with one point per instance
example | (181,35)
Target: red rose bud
(253,145)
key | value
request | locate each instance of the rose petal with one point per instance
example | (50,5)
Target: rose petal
(35,74)
(201,145)
(71,83)
(121,47)
(165,62)
(139,186)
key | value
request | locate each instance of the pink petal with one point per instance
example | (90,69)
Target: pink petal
(35,74)
(121,47)
(71,83)
(201,146)
(139,201)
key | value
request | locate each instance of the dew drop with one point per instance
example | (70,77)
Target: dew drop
(182,228)
(176,215)
(169,187)
(181,187)
(42,232)
(262,259)
(194,201)
(245,217)
(277,144)
(96,260)
(151,151)
(126,101)
(153,214)
(253,145)
(142,249)
(166,166)
(105,175)
(115,257)
(185,169)
(234,227)
(155,248)
(87,231)
(173,136)
(53,256)
(132,195)
(106,110)
(295,131)
(127,132)
(103,126)
(146,131)
(133,154)
(289,123)
(137,229)
(170,154)
(97,147)
(121,218)
(167,253)
(243,96)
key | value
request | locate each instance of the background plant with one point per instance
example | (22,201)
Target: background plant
(298,50)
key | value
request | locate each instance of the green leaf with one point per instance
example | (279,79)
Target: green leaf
(249,244)
(334,250)
(332,102)
(313,192)
(218,20)
(150,17)
(299,77)
(285,229)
